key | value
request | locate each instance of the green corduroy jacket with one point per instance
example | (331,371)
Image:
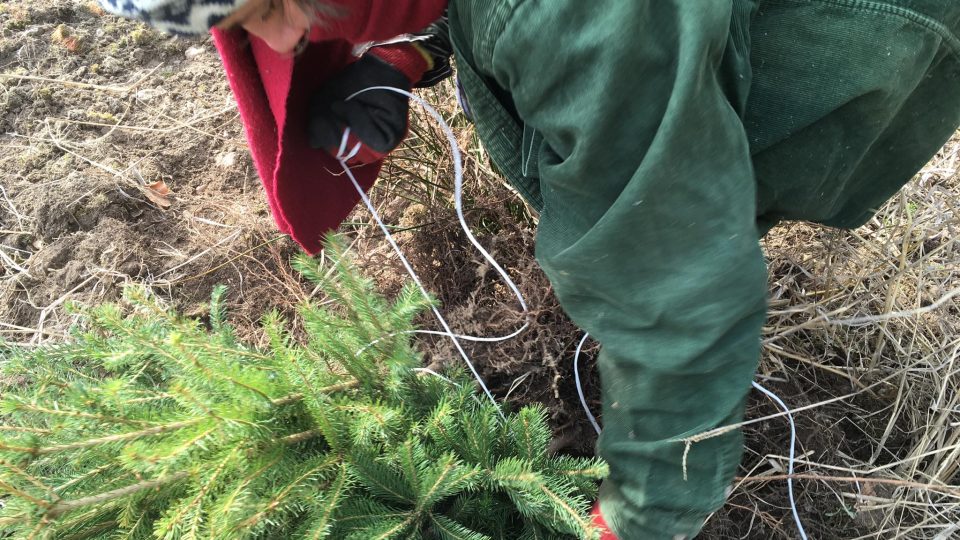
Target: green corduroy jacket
(660,139)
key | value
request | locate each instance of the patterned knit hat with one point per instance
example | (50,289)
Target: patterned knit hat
(175,16)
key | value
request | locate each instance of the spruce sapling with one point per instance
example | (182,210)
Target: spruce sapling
(148,424)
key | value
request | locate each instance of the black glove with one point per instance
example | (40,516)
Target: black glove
(378,118)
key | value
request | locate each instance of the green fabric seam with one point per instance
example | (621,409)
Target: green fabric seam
(495,29)
(952,41)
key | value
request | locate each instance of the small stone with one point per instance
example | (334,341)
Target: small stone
(149,93)
(227,160)
(193,52)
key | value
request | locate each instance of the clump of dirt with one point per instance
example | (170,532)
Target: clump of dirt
(536,366)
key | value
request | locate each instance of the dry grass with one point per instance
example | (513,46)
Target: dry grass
(870,316)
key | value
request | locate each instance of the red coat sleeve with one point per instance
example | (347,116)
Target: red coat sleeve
(378,20)
(306,196)
(405,58)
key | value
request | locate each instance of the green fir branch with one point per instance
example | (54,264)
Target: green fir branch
(151,425)
(65,507)
(447,529)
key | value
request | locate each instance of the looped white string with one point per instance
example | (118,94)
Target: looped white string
(343,157)
(457,186)
(793,449)
(343,146)
(576,376)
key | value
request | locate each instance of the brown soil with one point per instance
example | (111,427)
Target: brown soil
(94,111)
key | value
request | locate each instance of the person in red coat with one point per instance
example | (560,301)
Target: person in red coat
(287,60)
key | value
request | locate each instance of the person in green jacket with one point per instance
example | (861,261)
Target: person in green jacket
(660,139)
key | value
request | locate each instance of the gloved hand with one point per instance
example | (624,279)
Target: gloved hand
(598,521)
(377,118)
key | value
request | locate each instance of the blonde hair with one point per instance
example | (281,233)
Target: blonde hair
(319,11)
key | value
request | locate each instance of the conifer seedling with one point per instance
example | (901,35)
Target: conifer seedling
(148,424)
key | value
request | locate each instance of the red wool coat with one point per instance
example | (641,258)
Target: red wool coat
(306,189)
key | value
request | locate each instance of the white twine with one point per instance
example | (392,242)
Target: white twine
(343,157)
(792,460)
(576,376)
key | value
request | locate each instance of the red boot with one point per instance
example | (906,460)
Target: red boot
(601,523)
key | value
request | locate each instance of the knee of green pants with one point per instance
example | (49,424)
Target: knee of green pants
(659,486)
(670,491)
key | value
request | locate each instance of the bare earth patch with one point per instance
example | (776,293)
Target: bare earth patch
(122,159)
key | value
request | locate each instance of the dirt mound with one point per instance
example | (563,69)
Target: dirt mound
(536,365)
